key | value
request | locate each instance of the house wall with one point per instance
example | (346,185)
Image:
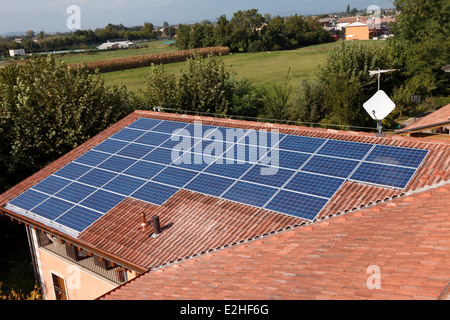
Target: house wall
(80,283)
(360,32)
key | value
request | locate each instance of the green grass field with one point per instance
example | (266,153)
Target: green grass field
(262,68)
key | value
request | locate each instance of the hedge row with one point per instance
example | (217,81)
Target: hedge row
(147,60)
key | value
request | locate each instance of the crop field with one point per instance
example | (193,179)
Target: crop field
(262,68)
(144,48)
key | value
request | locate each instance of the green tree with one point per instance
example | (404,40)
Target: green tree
(202,85)
(347,83)
(421,45)
(222,32)
(183,37)
(274,34)
(307,102)
(161,88)
(246,27)
(47,109)
(276,100)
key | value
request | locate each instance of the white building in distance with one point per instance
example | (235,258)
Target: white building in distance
(116,44)
(17,52)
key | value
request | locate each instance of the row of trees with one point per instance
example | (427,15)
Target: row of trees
(249,31)
(32,42)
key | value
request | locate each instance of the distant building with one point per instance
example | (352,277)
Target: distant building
(357,31)
(17,52)
(116,44)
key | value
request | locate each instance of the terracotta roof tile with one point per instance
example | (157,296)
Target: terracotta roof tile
(441,115)
(194,230)
(330,260)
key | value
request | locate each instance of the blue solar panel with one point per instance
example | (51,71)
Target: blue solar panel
(153,138)
(234,170)
(299,143)
(72,171)
(169,127)
(174,176)
(148,159)
(296,204)
(212,147)
(209,184)
(397,156)
(266,175)
(144,170)
(193,161)
(51,185)
(111,146)
(245,153)
(182,143)
(75,192)
(390,176)
(136,151)
(124,185)
(222,133)
(128,134)
(249,193)
(29,199)
(117,164)
(52,208)
(78,218)
(92,158)
(264,138)
(102,201)
(345,149)
(97,177)
(330,166)
(285,159)
(154,192)
(314,184)
(161,156)
(144,124)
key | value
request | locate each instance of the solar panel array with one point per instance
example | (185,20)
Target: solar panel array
(150,160)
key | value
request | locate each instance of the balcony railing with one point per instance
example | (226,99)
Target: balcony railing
(93,263)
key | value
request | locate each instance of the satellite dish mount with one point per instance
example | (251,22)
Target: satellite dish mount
(380,105)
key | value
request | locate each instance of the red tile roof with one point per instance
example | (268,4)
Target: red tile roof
(200,223)
(440,116)
(405,243)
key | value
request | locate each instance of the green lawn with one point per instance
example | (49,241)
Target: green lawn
(262,68)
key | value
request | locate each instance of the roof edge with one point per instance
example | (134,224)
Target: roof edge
(59,234)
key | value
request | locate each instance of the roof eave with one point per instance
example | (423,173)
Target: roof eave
(74,241)
(429,126)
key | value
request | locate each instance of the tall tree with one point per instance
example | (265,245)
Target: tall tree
(246,28)
(422,44)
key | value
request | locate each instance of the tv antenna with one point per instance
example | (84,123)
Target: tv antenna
(380,105)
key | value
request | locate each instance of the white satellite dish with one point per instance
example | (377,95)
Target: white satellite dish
(379,107)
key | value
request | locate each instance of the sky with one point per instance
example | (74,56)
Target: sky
(51,15)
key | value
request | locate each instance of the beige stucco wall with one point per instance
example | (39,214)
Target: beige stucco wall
(80,284)
(360,32)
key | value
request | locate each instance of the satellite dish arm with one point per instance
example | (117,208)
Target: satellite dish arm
(379,125)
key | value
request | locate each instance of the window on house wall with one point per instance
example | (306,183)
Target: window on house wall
(59,287)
